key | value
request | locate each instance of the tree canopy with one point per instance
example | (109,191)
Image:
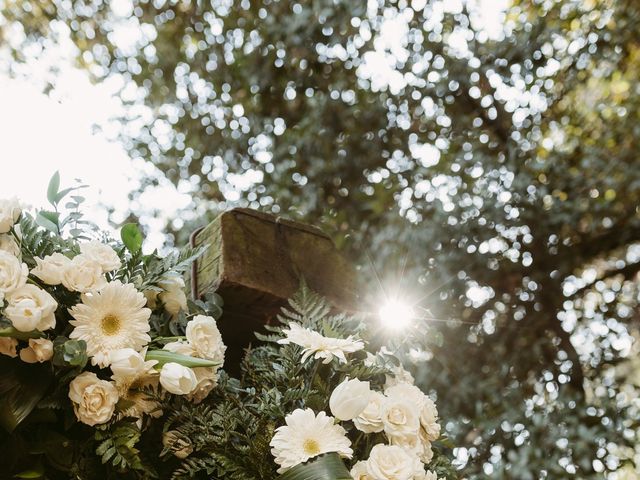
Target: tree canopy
(497,167)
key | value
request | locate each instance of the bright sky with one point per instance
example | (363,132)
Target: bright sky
(41,134)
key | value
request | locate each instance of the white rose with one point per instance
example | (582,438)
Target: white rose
(83,275)
(207,378)
(410,392)
(400,417)
(204,336)
(390,462)
(370,420)
(173,296)
(9,245)
(31,308)
(50,268)
(349,399)
(398,376)
(360,471)
(429,419)
(428,413)
(416,444)
(10,210)
(102,254)
(39,350)
(8,346)
(178,379)
(128,365)
(94,400)
(13,273)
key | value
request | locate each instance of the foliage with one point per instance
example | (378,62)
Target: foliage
(501,164)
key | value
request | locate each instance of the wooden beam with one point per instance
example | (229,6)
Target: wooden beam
(256,261)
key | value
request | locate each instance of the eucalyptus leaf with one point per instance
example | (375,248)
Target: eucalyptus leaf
(325,467)
(69,352)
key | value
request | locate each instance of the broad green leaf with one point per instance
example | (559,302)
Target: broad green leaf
(43,221)
(325,467)
(22,386)
(52,189)
(165,356)
(131,237)
(13,333)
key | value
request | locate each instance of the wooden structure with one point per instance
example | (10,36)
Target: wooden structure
(255,261)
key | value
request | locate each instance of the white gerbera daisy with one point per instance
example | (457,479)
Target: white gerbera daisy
(111,319)
(320,346)
(307,435)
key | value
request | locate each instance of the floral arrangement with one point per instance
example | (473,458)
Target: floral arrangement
(94,338)
(109,370)
(313,403)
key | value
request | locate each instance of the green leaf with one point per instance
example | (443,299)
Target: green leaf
(324,467)
(52,189)
(45,222)
(131,237)
(21,388)
(165,356)
(63,193)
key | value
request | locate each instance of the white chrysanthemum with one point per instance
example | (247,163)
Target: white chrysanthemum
(111,319)
(307,435)
(320,346)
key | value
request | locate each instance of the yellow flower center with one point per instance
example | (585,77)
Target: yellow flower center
(311,447)
(110,325)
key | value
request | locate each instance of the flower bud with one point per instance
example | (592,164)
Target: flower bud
(177,379)
(349,399)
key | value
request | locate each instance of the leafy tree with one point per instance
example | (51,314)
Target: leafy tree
(500,166)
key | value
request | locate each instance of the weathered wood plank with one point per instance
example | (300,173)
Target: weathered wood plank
(255,261)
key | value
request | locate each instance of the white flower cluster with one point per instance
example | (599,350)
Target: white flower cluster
(112,318)
(409,420)
(26,306)
(407,417)
(203,340)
